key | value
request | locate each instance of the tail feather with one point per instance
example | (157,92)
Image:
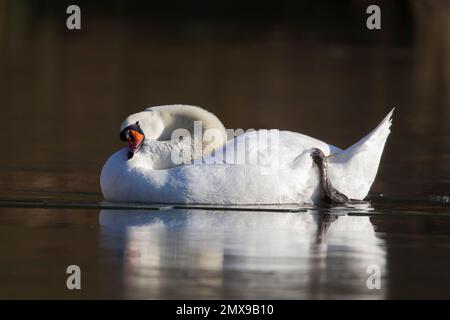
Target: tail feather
(353,170)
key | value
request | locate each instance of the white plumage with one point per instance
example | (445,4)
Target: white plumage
(273,170)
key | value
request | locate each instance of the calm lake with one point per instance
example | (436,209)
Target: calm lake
(63,95)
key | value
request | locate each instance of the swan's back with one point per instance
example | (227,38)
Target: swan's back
(269,147)
(262,171)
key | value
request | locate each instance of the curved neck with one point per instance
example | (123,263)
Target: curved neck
(202,125)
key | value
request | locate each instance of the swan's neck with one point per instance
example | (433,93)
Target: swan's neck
(202,125)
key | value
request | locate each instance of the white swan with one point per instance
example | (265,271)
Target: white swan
(259,167)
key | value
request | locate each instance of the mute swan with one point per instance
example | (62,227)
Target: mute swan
(258,167)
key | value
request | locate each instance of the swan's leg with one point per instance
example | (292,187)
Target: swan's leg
(332,196)
(329,193)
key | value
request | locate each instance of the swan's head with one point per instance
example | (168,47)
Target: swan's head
(138,127)
(159,123)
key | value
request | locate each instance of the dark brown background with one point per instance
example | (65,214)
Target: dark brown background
(297,65)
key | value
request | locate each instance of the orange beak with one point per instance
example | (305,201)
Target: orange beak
(134,140)
(134,136)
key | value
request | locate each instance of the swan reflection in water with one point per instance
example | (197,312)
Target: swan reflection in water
(195,253)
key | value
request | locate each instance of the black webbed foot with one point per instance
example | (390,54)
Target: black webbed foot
(329,193)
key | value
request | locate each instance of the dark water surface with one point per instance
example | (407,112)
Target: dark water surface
(63,95)
(298,253)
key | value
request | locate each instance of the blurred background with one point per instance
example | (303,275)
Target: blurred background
(307,66)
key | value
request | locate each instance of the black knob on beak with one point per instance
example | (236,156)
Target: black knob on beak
(124,134)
